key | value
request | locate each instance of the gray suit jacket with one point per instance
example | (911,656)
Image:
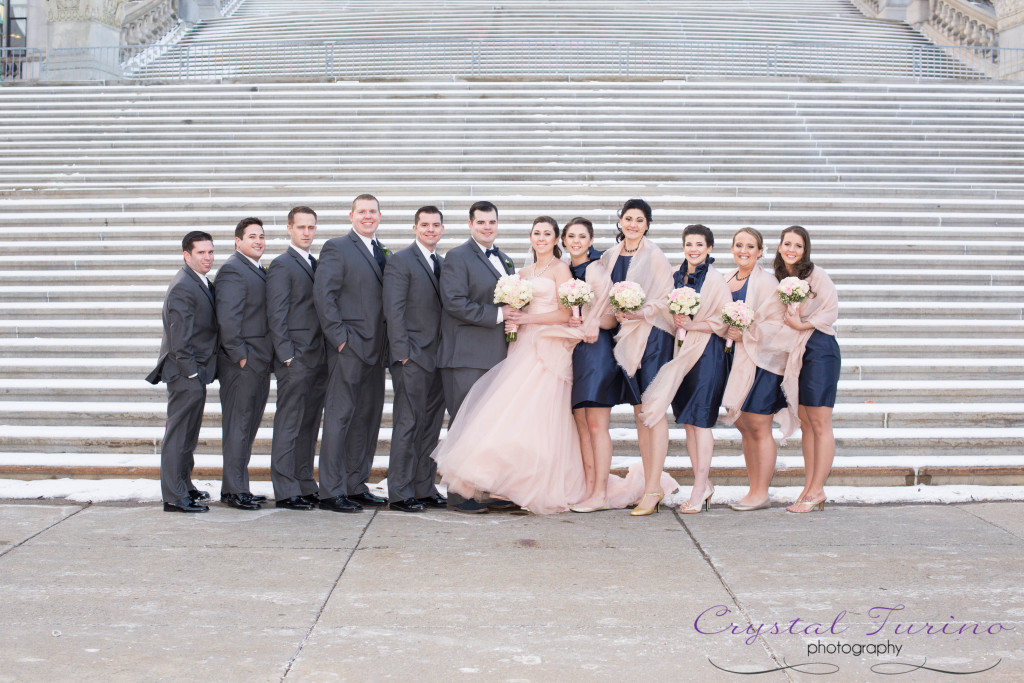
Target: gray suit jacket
(242,313)
(412,307)
(291,316)
(189,344)
(470,334)
(347,292)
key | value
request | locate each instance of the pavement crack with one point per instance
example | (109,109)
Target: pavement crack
(735,598)
(44,530)
(327,599)
(1012,533)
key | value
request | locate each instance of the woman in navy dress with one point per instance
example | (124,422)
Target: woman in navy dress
(752,284)
(597,380)
(644,341)
(819,366)
(699,396)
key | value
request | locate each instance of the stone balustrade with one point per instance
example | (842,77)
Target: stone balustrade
(969,24)
(147,21)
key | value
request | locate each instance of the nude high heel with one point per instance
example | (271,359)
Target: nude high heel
(639,511)
(807,505)
(704,504)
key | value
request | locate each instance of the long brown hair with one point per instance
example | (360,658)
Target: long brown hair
(802,269)
(557,251)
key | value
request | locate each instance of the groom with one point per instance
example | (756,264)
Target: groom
(472,326)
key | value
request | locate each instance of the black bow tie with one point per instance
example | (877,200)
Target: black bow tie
(493,251)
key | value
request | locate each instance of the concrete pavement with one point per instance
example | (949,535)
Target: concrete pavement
(126,592)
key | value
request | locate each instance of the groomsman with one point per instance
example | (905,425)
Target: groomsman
(300,365)
(347,292)
(472,326)
(243,364)
(187,363)
(412,307)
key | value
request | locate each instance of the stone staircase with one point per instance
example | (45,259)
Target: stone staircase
(913,195)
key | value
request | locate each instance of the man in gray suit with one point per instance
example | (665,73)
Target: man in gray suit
(412,307)
(300,365)
(347,292)
(472,326)
(243,363)
(187,363)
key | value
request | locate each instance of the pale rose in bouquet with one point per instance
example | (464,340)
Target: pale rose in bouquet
(627,296)
(573,294)
(513,291)
(792,292)
(739,315)
(683,301)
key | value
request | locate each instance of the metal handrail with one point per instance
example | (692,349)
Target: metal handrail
(549,58)
(20,64)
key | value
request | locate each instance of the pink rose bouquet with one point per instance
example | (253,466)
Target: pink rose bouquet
(793,291)
(737,314)
(683,301)
(627,296)
(573,294)
(513,291)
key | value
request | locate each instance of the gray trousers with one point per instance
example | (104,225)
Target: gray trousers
(416,425)
(186,399)
(352,414)
(243,398)
(300,406)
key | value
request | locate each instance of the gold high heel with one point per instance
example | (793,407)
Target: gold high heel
(704,504)
(807,505)
(642,511)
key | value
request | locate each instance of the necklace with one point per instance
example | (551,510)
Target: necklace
(544,269)
(736,276)
(631,251)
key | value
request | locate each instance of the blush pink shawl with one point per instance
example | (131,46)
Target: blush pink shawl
(714,295)
(779,349)
(651,270)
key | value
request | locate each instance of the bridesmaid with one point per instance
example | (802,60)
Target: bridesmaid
(645,339)
(756,286)
(598,381)
(814,363)
(694,380)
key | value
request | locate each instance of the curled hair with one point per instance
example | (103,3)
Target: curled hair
(635,203)
(702,230)
(756,234)
(245,223)
(557,251)
(802,268)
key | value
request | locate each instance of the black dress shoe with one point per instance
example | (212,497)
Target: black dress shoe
(468,506)
(257,499)
(184,505)
(294,503)
(196,494)
(340,504)
(242,501)
(368,499)
(407,505)
(311,498)
(499,505)
(434,501)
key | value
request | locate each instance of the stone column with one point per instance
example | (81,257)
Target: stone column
(191,11)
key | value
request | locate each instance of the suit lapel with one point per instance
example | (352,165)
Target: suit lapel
(427,266)
(199,283)
(483,257)
(303,263)
(366,254)
(248,264)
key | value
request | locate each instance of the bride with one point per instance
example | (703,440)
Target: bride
(514,435)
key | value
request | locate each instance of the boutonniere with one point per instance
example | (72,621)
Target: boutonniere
(508,263)
(265,269)
(387,252)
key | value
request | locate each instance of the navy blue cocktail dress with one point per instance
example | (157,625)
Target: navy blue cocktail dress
(597,380)
(819,374)
(658,351)
(700,395)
